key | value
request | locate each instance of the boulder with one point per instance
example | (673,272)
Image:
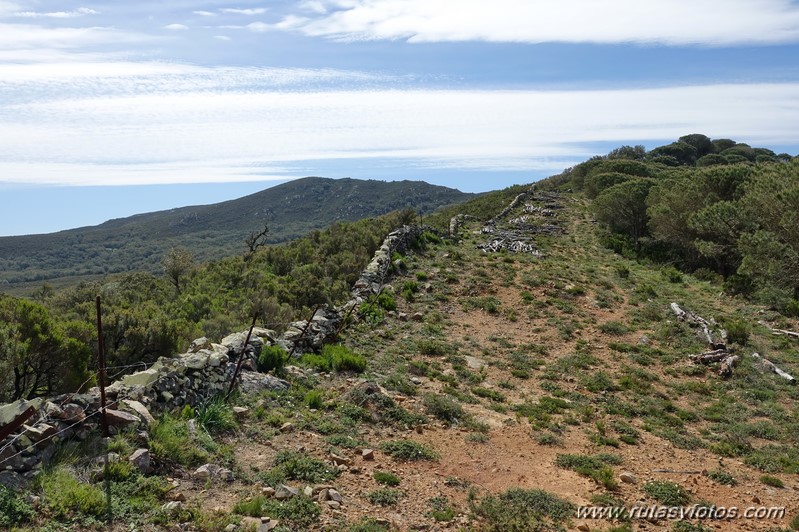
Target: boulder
(284,492)
(141,460)
(119,418)
(139,409)
(13,480)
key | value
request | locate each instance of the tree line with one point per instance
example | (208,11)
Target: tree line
(712,207)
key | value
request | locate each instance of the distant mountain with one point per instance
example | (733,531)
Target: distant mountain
(210,231)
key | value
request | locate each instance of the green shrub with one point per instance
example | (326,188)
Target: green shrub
(215,415)
(14,509)
(386,301)
(315,399)
(523,510)
(738,331)
(596,467)
(66,497)
(432,348)
(389,479)
(170,440)
(722,477)
(384,497)
(614,328)
(336,357)
(443,408)
(491,395)
(291,465)
(667,493)
(367,524)
(297,513)
(408,450)
(772,481)
(272,358)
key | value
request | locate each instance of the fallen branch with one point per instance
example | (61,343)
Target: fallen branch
(710,357)
(705,325)
(766,364)
(780,332)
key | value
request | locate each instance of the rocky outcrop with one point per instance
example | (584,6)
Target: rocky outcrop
(375,274)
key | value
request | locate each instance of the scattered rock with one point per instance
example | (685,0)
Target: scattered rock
(334,495)
(141,460)
(417,316)
(583,527)
(284,492)
(140,410)
(340,460)
(268,492)
(172,507)
(628,477)
(119,418)
(287,427)
(212,472)
(335,505)
(368,454)
(241,411)
(13,480)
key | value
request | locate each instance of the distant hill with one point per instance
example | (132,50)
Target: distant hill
(210,231)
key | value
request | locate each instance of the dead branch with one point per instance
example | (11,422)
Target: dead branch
(711,357)
(780,332)
(705,325)
(768,365)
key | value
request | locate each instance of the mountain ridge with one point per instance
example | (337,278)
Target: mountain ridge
(212,230)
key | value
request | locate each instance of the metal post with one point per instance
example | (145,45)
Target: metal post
(103,418)
(241,358)
(101,368)
(304,330)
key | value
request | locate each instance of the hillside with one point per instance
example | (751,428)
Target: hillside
(486,390)
(137,243)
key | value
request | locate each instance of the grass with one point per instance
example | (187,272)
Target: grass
(337,358)
(384,497)
(215,415)
(292,465)
(408,450)
(722,477)
(523,510)
(596,467)
(386,478)
(14,509)
(667,493)
(170,441)
(65,496)
(444,408)
(297,513)
(774,482)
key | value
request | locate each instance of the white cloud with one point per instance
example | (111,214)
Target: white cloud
(222,37)
(204,13)
(249,12)
(176,27)
(315,6)
(226,130)
(258,27)
(80,12)
(670,22)
(31,37)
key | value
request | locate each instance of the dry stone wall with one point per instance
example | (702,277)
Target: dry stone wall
(185,379)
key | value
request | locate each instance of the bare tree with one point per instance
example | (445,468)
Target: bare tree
(255,240)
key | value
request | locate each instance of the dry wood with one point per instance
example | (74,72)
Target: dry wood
(780,332)
(710,357)
(705,325)
(767,364)
(725,370)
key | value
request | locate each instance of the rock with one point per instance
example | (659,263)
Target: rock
(474,362)
(335,505)
(41,434)
(628,478)
(417,316)
(172,507)
(13,480)
(212,472)
(340,460)
(307,491)
(11,411)
(368,454)
(334,495)
(139,409)
(583,527)
(756,499)
(241,411)
(284,492)
(118,418)
(287,427)
(141,460)
(231,527)
(253,383)
(266,526)
(323,495)
(268,492)
(199,344)
(176,496)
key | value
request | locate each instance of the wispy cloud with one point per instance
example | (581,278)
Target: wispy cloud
(40,38)
(80,12)
(241,124)
(242,11)
(176,27)
(671,22)
(204,13)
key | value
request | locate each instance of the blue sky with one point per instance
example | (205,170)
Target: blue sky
(109,109)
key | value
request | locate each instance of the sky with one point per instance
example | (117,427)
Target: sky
(109,109)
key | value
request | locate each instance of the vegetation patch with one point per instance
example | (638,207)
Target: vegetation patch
(408,450)
(523,510)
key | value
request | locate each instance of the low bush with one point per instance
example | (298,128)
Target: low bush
(408,450)
(272,358)
(384,497)
(522,510)
(667,493)
(383,477)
